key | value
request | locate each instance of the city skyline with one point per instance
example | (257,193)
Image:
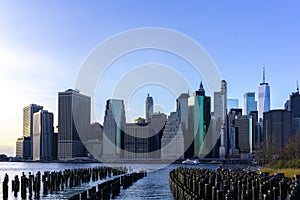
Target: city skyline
(41,53)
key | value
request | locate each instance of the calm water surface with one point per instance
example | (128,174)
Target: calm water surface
(154,186)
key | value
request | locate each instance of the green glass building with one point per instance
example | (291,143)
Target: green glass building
(199,119)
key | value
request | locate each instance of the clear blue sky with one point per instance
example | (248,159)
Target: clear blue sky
(43,45)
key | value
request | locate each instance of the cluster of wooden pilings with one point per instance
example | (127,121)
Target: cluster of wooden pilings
(195,183)
(53,182)
(110,189)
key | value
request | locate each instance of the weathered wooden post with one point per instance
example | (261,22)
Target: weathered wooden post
(23,186)
(5,187)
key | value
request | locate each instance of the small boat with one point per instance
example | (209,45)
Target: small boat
(190,162)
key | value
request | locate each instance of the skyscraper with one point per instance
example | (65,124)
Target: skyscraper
(199,119)
(295,110)
(244,130)
(249,103)
(263,97)
(220,109)
(232,103)
(277,128)
(23,148)
(148,108)
(233,147)
(182,109)
(158,121)
(113,128)
(94,144)
(295,104)
(43,133)
(139,141)
(172,140)
(28,112)
(74,117)
(220,104)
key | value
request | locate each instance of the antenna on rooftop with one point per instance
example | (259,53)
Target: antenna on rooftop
(297,87)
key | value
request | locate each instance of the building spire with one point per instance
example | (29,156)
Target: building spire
(201,86)
(297,87)
(264,76)
(201,91)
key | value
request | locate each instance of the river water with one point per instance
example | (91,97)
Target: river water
(154,186)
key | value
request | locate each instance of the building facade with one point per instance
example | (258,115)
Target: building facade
(148,108)
(277,128)
(295,111)
(172,140)
(182,109)
(198,122)
(158,121)
(94,144)
(74,116)
(220,111)
(43,136)
(244,133)
(23,148)
(233,147)
(113,128)
(249,103)
(263,98)
(139,141)
(28,112)
(232,103)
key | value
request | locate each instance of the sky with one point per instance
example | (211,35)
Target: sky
(43,46)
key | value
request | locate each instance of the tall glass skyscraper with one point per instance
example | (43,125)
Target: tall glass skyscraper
(249,103)
(113,127)
(28,112)
(263,97)
(232,103)
(148,108)
(43,133)
(74,118)
(199,119)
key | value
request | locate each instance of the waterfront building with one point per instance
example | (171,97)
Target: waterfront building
(277,128)
(94,144)
(172,140)
(263,97)
(249,103)
(148,108)
(113,128)
(43,136)
(55,143)
(220,111)
(23,148)
(158,121)
(198,122)
(182,109)
(139,141)
(28,112)
(74,118)
(19,147)
(96,131)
